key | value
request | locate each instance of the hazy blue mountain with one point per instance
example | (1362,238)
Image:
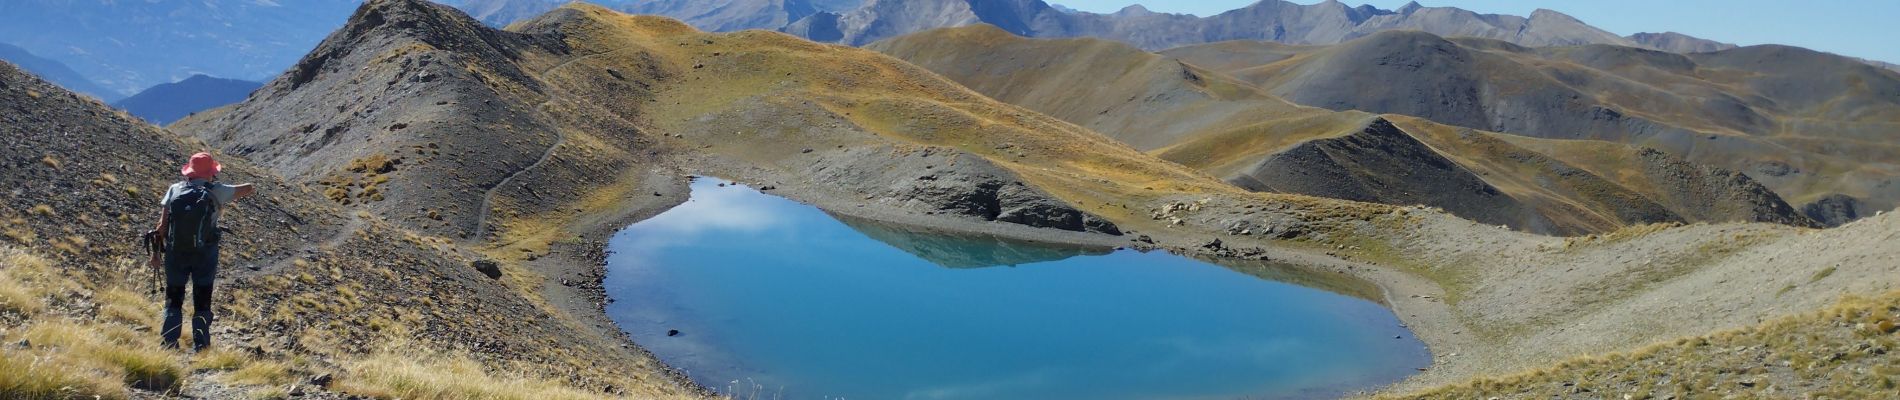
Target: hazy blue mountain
(169,102)
(1678,43)
(1281,21)
(127,46)
(711,15)
(55,72)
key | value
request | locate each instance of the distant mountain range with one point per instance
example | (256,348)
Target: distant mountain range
(712,15)
(55,71)
(127,46)
(858,22)
(168,102)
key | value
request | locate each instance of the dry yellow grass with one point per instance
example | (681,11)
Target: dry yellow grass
(105,352)
(1843,352)
(15,298)
(260,372)
(219,359)
(28,375)
(404,375)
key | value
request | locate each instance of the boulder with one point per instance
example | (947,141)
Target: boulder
(488,267)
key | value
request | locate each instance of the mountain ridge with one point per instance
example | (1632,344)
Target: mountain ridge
(1781,114)
(169,102)
(1210,121)
(55,71)
(615,110)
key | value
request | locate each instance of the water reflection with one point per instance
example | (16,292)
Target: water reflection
(961,250)
(782,298)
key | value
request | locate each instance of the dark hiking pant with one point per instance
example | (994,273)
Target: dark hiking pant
(199,269)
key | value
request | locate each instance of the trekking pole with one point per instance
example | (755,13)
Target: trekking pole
(152,249)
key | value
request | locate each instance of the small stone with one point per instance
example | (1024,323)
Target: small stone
(806,150)
(322,380)
(672,332)
(488,267)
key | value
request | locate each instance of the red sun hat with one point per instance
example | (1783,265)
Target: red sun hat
(201,167)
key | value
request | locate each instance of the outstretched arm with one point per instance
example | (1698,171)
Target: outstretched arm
(245,190)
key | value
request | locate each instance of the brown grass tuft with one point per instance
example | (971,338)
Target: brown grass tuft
(406,376)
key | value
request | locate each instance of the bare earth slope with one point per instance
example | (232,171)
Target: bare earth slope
(301,278)
(618,107)
(1215,123)
(1803,123)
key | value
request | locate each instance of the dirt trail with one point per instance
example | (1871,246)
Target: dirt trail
(560,138)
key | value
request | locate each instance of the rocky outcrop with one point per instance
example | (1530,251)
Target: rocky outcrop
(937,180)
(1835,210)
(1383,164)
(1708,193)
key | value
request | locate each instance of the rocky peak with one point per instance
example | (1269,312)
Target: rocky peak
(1408,8)
(1133,10)
(1548,15)
(381,22)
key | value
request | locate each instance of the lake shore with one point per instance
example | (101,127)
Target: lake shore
(580,264)
(1492,301)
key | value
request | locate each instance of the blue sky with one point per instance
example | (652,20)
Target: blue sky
(1859,28)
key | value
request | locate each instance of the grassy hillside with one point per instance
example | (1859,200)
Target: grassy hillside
(307,288)
(1207,120)
(1843,352)
(1801,122)
(381,192)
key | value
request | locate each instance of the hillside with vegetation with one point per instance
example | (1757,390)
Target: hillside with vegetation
(1803,123)
(1221,125)
(437,194)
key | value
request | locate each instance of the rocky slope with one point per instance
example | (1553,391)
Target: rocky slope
(616,108)
(1382,164)
(545,115)
(301,277)
(1220,125)
(1803,134)
(169,102)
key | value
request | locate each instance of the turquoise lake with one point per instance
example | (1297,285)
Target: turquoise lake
(772,298)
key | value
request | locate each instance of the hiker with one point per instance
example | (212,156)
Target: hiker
(188,227)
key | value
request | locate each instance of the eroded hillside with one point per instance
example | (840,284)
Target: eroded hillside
(1803,123)
(1246,136)
(427,141)
(307,287)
